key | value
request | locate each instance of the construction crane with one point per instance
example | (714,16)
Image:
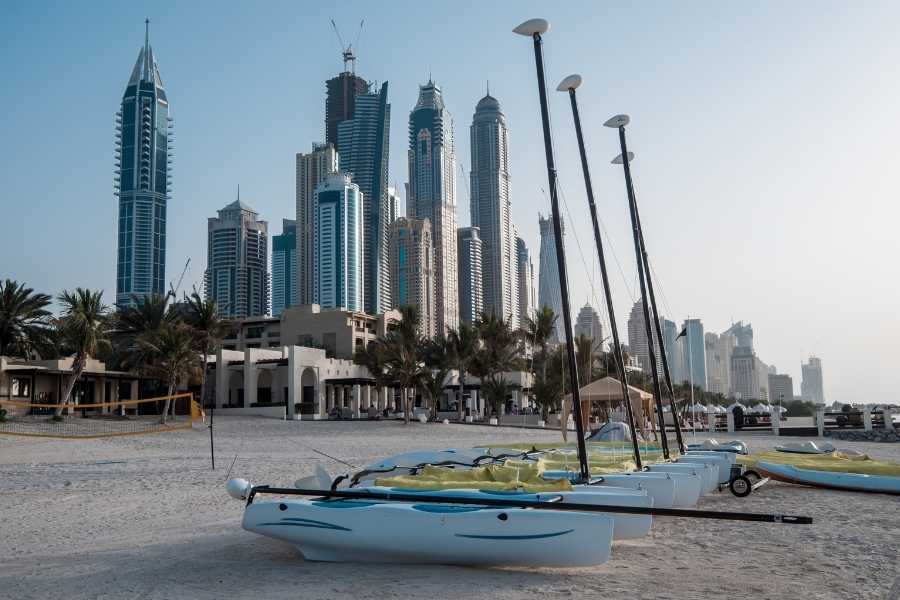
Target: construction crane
(347,49)
(173,290)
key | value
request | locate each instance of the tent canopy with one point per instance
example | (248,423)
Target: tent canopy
(608,389)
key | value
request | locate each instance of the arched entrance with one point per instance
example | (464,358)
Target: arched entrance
(308,391)
(236,389)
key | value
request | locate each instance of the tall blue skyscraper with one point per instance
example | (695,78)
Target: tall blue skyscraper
(548,272)
(143,180)
(338,252)
(363,151)
(471,274)
(673,354)
(284,267)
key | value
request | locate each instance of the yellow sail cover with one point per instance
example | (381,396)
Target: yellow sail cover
(834,462)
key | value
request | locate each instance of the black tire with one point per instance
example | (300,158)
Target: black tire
(740,486)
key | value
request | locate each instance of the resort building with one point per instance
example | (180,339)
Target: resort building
(44,382)
(311,170)
(363,152)
(237,265)
(338,244)
(490,209)
(284,267)
(412,270)
(431,194)
(471,274)
(143,180)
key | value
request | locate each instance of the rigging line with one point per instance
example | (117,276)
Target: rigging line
(660,286)
(562,195)
(612,250)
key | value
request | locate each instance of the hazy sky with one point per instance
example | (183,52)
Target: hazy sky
(765,133)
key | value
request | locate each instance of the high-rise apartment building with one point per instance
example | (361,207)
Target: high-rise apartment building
(431,194)
(237,273)
(588,324)
(637,339)
(548,272)
(311,169)
(781,388)
(811,386)
(284,267)
(525,280)
(143,180)
(338,244)
(718,362)
(471,274)
(393,205)
(672,347)
(363,149)
(693,346)
(490,208)
(744,375)
(412,270)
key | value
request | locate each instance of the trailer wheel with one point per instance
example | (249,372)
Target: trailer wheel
(740,486)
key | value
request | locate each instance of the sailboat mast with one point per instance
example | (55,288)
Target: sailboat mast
(534,29)
(610,309)
(657,390)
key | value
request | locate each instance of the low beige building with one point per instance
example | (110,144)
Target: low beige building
(339,332)
(44,381)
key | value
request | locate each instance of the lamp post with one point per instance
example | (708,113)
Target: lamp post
(619,122)
(534,28)
(570,84)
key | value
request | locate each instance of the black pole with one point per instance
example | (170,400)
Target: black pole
(212,449)
(644,305)
(561,260)
(673,405)
(617,349)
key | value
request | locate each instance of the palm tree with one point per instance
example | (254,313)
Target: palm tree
(84,327)
(584,349)
(145,314)
(437,357)
(173,352)
(23,319)
(463,344)
(401,354)
(202,315)
(498,354)
(372,357)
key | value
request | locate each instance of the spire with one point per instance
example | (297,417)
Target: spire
(146,34)
(487,88)
(148,53)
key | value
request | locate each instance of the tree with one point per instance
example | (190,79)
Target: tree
(24,319)
(584,350)
(498,354)
(438,362)
(84,326)
(401,353)
(463,345)
(209,328)
(372,357)
(547,386)
(172,350)
(145,314)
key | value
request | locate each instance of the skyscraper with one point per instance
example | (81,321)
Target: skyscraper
(548,272)
(312,169)
(143,180)
(781,388)
(338,244)
(693,346)
(393,205)
(637,339)
(588,324)
(237,274)
(744,375)
(673,356)
(525,277)
(471,274)
(412,269)
(432,194)
(340,100)
(718,362)
(490,208)
(363,153)
(811,387)
(284,267)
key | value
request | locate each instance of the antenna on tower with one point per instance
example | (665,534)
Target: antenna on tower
(347,49)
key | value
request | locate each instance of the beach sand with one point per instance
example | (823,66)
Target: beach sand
(145,517)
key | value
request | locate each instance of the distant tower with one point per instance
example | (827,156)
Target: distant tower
(237,265)
(338,248)
(548,272)
(143,180)
(311,170)
(490,208)
(432,194)
(471,274)
(525,280)
(284,267)
(412,270)
(588,324)
(363,153)
(340,99)
(694,347)
(811,386)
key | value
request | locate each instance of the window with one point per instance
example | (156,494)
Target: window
(21,387)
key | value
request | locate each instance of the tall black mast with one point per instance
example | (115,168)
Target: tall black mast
(534,28)
(644,304)
(569,84)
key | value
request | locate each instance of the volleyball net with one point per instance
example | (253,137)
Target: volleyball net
(101,419)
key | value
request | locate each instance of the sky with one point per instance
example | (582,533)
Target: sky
(765,136)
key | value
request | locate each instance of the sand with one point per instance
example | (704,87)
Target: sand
(145,517)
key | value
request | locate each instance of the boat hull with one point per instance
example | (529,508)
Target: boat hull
(853,482)
(399,532)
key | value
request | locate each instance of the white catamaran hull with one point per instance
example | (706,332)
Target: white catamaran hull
(855,482)
(708,475)
(400,532)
